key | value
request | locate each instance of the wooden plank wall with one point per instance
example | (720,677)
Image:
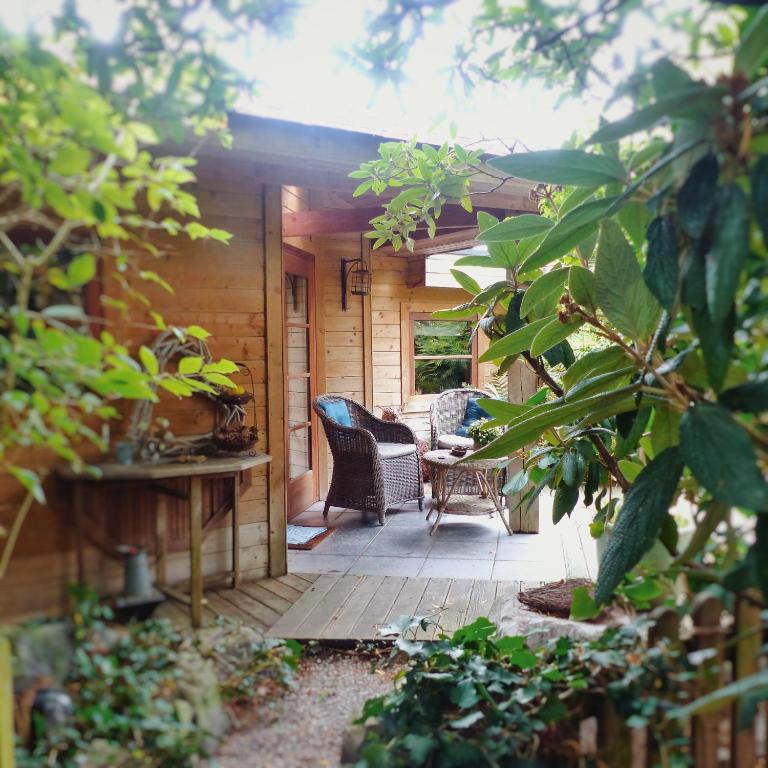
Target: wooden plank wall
(222,289)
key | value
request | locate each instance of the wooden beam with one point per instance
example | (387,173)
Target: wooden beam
(335,220)
(367,335)
(273,282)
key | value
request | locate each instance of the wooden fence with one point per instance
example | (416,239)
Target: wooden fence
(729,650)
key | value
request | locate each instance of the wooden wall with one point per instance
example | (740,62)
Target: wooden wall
(222,289)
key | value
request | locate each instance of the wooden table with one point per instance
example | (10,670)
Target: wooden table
(446,502)
(194,472)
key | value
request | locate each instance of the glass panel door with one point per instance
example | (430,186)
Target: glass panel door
(298,292)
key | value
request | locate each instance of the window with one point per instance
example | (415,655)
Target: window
(443,354)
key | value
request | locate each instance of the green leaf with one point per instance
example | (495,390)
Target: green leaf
(634,218)
(696,197)
(30,481)
(148,360)
(190,365)
(71,159)
(692,101)
(514,343)
(196,332)
(566,498)
(468,283)
(517,483)
(583,605)
(640,520)
(81,270)
(751,397)
(594,363)
(661,272)
(759,181)
(722,456)
(572,229)
(713,702)
(728,252)
(553,333)
(569,167)
(581,286)
(753,48)
(544,292)
(620,289)
(716,340)
(516,228)
(176,387)
(467,721)
(665,430)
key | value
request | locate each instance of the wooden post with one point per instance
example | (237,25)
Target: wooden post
(365,253)
(161,540)
(749,635)
(7,747)
(521,384)
(196,549)
(704,727)
(235,530)
(273,289)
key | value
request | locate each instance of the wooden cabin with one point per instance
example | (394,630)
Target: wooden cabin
(271,299)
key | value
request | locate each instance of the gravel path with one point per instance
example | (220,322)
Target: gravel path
(305,726)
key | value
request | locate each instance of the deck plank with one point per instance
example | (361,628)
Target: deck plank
(481,600)
(299,582)
(340,625)
(407,601)
(432,604)
(230,611)
(456,605)
(378,609)
(277,587)
(259,612)
(327,607)
(268,599)
(287,624)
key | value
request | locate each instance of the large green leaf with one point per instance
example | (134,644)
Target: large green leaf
(759,180)
(722,456)
(467,282)
(553,333)
(635,217)
(696,197)
(569,167)
(581,286)
(753,48)
(595,363)
(516,342)
(716,340)
(531,427)
(516,228)
(661,272)
(642,515)
(685,102)
(751,397)
(728,252)
(620,289)
(566,498)
(572,229)
(544,292)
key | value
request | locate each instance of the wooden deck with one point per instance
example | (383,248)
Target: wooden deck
(347,607)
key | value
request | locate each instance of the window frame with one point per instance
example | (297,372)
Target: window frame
(414,315)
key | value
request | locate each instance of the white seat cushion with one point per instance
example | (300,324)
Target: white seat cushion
(454,441)
(395,450)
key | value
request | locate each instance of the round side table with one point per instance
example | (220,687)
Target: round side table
(446,502)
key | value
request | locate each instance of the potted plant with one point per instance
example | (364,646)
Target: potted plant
(482,434)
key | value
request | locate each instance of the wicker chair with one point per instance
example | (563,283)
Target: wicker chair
(446,415)
(375,463)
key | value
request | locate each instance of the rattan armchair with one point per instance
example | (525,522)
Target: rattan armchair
(375,462)
(446,415)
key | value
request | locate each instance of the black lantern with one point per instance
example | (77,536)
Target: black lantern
(356,277)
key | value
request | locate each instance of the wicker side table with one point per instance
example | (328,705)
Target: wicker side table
(443,464)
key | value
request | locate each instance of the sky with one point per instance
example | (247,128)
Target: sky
(307,76)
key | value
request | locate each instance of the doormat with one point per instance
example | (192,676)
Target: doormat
(307,536)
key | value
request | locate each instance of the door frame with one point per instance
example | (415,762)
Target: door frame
(300,262)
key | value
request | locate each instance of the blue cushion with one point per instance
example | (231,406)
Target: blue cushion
(338,411)
(474,412)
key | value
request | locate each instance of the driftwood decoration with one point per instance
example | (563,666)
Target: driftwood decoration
(230,409)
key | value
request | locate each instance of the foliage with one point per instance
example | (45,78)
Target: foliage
(482,432)
(89,196)
(658,243)
(478,699)
(437,338)
(127,687)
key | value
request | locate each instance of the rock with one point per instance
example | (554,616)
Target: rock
(513,619)
(198,686)
(353,740)
(45,651)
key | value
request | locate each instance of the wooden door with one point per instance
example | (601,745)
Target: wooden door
(300,355)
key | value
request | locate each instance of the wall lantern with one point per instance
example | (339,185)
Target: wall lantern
(356,277)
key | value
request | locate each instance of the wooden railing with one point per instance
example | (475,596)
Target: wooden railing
(728,649)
